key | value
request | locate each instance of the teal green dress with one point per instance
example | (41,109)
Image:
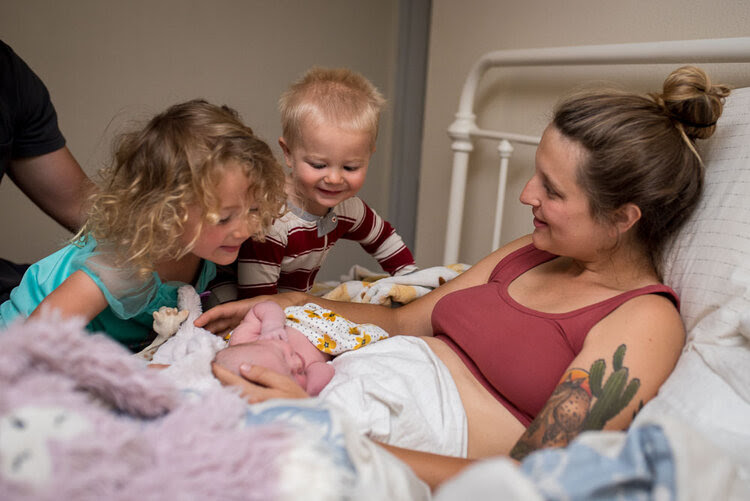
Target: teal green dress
(131,299)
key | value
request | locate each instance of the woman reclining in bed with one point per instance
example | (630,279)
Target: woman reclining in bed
(569,328)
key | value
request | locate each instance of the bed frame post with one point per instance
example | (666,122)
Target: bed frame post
(460,132)
(506,150)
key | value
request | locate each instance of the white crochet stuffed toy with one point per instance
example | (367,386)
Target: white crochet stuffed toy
(166,323)
(191,349)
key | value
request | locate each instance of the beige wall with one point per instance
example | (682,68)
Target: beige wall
(462,31)
(108,62)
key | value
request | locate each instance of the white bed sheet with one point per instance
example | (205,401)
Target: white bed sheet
(398,392)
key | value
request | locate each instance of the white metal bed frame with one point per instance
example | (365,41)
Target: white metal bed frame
(464,129)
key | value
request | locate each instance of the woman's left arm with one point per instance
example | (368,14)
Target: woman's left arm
(625,359)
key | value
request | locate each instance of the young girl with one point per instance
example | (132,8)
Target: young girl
(182,194)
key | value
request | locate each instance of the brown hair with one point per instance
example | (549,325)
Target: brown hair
(174,161)
(338,96)
(641,150)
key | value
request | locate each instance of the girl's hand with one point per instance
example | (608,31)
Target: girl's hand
(259,384)
(225,317)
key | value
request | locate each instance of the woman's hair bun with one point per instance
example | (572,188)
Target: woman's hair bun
(692,102)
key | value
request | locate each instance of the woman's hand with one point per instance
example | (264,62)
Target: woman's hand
(225,317)
(259,384)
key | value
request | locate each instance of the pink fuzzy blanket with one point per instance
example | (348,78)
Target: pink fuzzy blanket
(82,419)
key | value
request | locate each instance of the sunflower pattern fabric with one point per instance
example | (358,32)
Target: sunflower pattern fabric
(330,332)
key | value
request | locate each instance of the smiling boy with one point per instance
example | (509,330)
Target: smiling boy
(329,125)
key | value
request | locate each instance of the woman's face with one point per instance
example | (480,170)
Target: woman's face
(563,224)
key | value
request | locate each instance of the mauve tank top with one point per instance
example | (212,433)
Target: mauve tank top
(517,353)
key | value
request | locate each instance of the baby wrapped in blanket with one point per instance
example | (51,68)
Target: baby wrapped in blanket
(394,391)
(298,343)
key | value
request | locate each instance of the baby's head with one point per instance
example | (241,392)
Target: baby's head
(275,354)
(330,123)
(169,173)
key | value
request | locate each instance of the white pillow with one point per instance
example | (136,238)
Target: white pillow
(708,265)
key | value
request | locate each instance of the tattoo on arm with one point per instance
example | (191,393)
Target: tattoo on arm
(580,402)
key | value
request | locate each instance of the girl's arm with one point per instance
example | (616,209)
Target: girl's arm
(625,359)
(78,295)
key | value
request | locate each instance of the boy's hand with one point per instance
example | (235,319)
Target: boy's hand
(258,384)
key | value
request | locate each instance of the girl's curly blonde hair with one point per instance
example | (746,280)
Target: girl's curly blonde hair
(174,162)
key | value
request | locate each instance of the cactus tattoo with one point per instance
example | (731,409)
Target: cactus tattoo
(582,401)
(614,395)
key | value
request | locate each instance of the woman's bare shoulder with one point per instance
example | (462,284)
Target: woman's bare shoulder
(488,263)
(650,327)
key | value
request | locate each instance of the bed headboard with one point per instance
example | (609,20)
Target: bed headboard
(464,130)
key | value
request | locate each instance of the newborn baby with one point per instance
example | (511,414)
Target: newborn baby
(298,343)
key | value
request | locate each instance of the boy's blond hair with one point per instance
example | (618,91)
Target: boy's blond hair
(176,161)
(339,97)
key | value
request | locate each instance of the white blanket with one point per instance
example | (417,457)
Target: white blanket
(662,459)
(398,392)
(191,350)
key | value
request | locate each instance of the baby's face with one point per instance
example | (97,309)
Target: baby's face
(273,354)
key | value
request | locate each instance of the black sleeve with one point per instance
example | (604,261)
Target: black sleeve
(31,116)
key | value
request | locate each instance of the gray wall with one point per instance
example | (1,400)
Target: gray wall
(109,62)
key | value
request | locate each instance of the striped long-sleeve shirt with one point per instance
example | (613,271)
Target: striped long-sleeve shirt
(292,253)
